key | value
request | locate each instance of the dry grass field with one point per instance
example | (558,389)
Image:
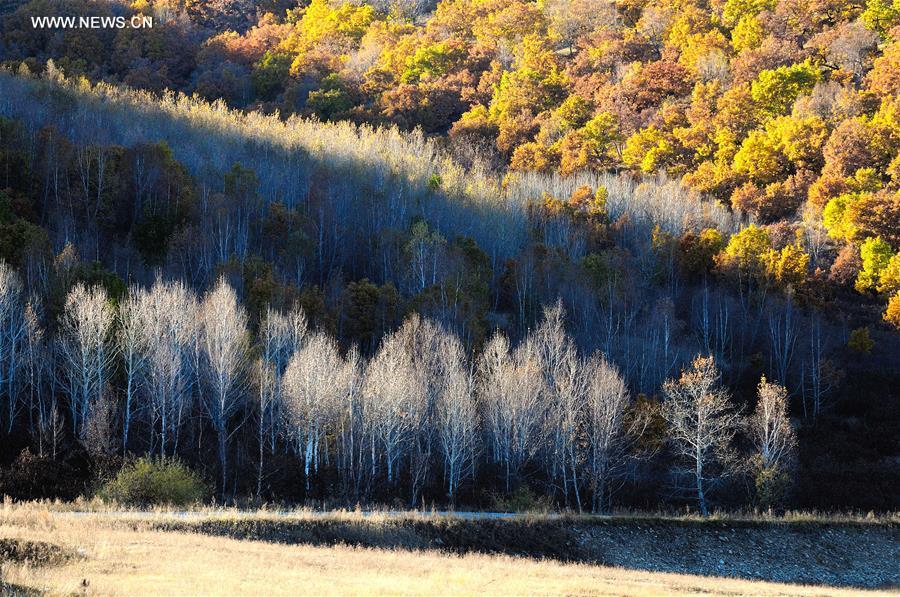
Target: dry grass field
(51,552)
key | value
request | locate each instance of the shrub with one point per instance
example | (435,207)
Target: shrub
(772,487)
(32,477)
(861,341)
(522,499)
(154,481)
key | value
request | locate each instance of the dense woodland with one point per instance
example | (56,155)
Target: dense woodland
(599,254)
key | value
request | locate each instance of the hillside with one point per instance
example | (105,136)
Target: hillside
(836,554)
(621,555)
(469,252)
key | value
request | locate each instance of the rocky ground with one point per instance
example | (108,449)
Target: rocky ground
(805,553)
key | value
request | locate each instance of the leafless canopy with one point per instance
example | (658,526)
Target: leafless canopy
(702,424)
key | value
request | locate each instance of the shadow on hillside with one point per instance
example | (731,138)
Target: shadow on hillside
(825,554)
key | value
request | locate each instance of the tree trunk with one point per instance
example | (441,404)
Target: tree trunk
(700,495)
(223,462)
(575,483)
(259,473)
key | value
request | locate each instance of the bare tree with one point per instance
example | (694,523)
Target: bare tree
(281,336)
(132,346)
(224,349)
(264,378)
(99,436)
(169,326)
(457,415)
(608,433)
(775,443)
(566,387)
(53,430)
(571,19)
(316,385)
(404,9)
(702,424)
(425,250)
(492,366)
(782,339)
(770,428)
(713,327)
(423,340)
(393,390)
(510,389)
(36,363)
(86,349)
(851,45)
(12,340)
(820,377)
(352,429)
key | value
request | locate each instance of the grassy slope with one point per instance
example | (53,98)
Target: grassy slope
(347,553)
(836,553)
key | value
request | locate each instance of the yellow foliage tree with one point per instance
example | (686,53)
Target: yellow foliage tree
(788,267)
(876,255)
(746,250)
(892,312)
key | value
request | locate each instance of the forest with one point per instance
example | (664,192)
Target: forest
(595,255)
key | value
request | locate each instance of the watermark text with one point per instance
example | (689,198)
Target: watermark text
(94,22)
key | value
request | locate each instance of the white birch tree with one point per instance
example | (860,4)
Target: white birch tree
(774,441)
(510,389)
(224,350)
(132,347)
(169,327)
(86,348)
(565,387)
(770,428)
(12,341)
(607,433)
(702,424)
(316,385)
(393,390)
(37,362)
(281,336)
(457,415)
(353,429)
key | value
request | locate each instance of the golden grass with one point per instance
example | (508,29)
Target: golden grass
(375,513)
(122,557)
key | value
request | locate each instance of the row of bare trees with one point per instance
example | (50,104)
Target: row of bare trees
(419,404)
(138,375)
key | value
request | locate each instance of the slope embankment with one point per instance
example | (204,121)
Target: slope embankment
(839,554)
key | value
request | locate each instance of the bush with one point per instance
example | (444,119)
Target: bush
(860,341)
(772,488)
(31,477)
(154,481)
(522,499)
